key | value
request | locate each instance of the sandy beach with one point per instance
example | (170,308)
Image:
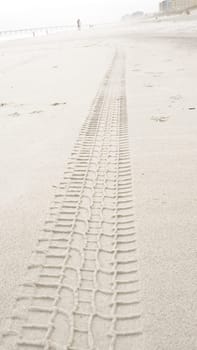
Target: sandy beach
(48,86)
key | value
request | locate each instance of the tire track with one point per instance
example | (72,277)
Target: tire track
(82,285)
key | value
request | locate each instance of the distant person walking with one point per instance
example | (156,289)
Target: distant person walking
(79,24)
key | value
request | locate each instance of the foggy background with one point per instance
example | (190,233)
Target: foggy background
(28,13)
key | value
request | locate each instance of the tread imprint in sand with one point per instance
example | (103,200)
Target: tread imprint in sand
(82,286)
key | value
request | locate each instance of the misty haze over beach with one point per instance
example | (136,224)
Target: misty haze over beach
(22,14)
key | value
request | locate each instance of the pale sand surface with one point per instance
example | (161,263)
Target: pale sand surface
(36,141)
(162,84)
(161,87)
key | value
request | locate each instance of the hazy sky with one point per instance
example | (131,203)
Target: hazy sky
(22,13)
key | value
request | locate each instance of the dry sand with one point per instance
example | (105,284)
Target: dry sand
(163,124)
(47,86)
(36,137)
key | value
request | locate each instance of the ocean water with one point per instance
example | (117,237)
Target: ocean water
(30,33)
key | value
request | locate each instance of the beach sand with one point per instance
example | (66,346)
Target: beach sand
(47,87)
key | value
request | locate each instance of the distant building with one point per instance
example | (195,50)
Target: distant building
(170,6)
(182,5)
(165,6)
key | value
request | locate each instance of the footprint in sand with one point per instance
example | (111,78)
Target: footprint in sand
(36,112)
(160,119)
(15,114)
(176,98)
(55,104)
